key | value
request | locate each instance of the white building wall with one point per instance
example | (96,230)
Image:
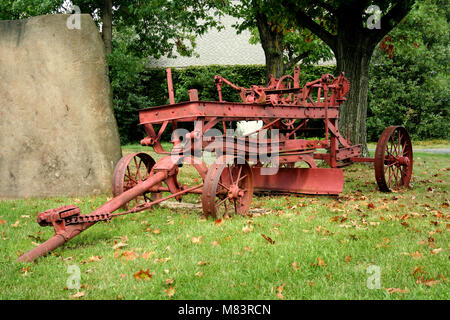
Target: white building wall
(223,47)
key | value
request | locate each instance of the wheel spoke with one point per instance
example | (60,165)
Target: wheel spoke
(396,176)
(139,170)
(394,146)
(231,174)
(388,166)
(239,174)
(390,176)
(224,186)
(218,204)
(241,178)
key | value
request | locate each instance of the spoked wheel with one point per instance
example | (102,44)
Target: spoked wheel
(131,170)
(393,159)
(228,188)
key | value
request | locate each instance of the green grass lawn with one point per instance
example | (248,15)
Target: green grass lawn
(323,247)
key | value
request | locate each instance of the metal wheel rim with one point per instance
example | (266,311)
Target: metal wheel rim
(126,176)
(219,181)
(393,159)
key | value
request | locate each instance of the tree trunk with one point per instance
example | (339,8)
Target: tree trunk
(353,53)
(271,41)
(107,25)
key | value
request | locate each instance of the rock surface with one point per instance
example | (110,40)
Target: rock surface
(58,134)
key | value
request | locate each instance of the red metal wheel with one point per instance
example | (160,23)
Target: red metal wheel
(393,159)
(131,170)
(228,184)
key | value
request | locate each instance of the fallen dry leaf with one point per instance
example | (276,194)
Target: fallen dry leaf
(321,262)
(25,270)
(156,231)
(16,224)
(168,281)
(427,282)
(415,255)
(162,260)
(95,258)
(146,255)
(202,263)
(77,295)
(397,290)
(310,283)
(170,292)
(129,255)
(295,266)
(280,291)
(247,229)
(268,239)
(435,251)
(2,222)
(143,275)
(335,219)
(418,270)
(197,240)
(199,274)
(119,245)
(348,258)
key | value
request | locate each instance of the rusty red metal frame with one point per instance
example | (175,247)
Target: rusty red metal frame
(228,184)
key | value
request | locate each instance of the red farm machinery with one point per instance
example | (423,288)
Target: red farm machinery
(243,164)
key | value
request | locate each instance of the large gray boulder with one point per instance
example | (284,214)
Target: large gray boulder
(58,134)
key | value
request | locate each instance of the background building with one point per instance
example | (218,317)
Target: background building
(223,47)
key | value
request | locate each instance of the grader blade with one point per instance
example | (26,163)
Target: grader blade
(300,180)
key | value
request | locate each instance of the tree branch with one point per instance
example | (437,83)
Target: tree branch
(326,6)
(305,21)
(390,20)
(292,62)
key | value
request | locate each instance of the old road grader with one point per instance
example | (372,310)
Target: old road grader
(254,162)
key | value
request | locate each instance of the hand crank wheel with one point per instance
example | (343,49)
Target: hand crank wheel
(131,170)
(393,159)
(228,187)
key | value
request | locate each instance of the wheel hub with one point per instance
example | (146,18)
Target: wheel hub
(234,192)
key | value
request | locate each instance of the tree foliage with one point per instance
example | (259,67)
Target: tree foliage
(158,27)
(349,28)
(410,75)
(283,42)
(20,9)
